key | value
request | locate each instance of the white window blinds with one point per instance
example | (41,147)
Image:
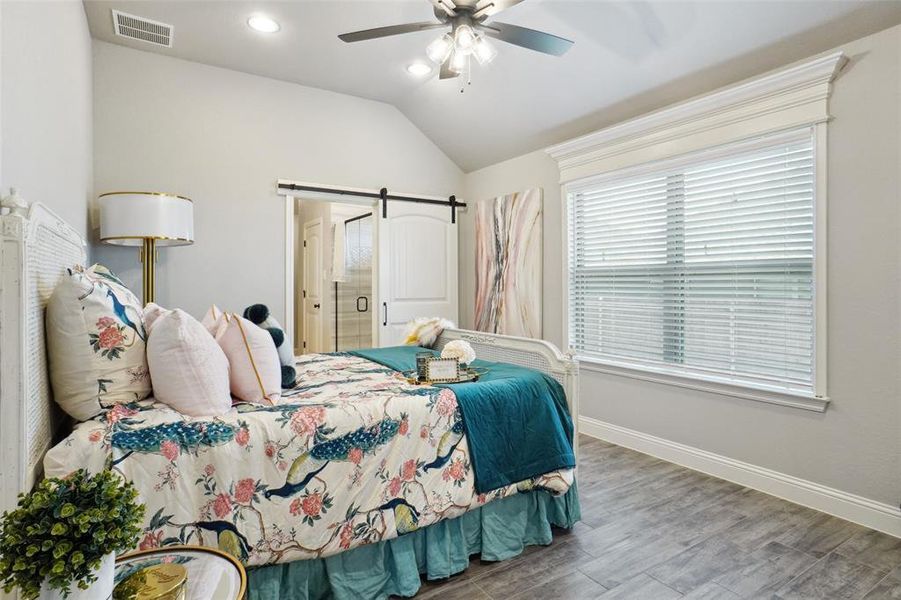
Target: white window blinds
(701,267)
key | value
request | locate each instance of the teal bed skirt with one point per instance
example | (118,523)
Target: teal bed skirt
(498,531)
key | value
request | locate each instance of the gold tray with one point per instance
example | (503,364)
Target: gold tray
(466,375)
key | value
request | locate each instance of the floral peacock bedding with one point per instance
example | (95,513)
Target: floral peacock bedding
(353,455)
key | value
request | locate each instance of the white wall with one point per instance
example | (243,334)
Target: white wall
(856,445)
(45,121)
(222,138)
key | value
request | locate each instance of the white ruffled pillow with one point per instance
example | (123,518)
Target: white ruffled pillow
(255,372)
(95,343)
(188,368)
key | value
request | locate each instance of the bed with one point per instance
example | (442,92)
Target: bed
(352,486)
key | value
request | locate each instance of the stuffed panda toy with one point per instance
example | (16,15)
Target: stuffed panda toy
(259,315)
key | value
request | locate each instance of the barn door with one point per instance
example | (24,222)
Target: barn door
(417,267)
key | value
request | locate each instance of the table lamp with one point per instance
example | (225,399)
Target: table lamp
(146,220)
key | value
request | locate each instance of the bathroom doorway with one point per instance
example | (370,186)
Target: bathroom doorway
(334,276)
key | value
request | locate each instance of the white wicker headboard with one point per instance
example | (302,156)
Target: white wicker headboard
(36,248)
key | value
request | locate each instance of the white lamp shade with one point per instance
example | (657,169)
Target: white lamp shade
(128,218)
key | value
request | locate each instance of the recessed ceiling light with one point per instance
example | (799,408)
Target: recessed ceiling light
(419,69)
(264,24)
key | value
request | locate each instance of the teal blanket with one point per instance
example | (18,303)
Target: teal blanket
(516,419)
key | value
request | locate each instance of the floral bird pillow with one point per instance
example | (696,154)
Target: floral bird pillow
(95,343)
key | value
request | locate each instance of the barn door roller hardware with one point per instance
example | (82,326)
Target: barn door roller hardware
(382,195)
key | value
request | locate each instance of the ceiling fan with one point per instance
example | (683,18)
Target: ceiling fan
(468,34)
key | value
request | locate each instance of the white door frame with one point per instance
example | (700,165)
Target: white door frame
(290,251)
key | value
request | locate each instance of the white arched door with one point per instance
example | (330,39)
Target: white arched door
(417,266)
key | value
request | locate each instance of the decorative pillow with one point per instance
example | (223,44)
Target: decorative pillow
(95,343)
(423,331)
(259,314)
(254,370)
(188,368)
(215,321)
(152,312)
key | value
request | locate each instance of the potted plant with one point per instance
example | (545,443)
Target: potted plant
(62,539)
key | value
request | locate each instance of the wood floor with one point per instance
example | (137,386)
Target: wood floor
(652,530)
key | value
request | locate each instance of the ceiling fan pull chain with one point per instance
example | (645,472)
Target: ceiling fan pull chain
(468,72)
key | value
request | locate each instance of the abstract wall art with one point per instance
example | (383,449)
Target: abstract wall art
(508,270)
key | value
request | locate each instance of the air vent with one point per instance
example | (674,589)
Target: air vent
(145,30)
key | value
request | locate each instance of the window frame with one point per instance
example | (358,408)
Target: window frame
(816,401)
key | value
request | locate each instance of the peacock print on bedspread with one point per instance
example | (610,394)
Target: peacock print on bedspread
(353,455)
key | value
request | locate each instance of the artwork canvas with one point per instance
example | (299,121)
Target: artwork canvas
(508,264)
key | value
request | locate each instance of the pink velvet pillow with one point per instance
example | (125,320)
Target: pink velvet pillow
(255,373)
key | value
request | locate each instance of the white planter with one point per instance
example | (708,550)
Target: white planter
(102,589)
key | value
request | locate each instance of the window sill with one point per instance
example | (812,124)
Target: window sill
(811,403)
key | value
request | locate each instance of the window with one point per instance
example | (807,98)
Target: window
(702,266)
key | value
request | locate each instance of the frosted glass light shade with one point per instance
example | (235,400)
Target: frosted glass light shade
(465,38)
(440,49)
(458,62)
(128,218)
(484,51)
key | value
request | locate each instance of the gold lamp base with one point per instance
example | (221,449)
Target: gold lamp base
(148,260)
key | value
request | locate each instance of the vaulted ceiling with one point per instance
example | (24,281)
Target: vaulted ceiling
(628,58)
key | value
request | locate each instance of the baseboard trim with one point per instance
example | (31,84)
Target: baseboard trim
(869,513)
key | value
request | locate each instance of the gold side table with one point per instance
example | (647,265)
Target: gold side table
(211,574)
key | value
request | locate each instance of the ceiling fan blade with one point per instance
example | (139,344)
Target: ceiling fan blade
(380,32)
(444,7)
(527,38)
(445,72)
(488,8)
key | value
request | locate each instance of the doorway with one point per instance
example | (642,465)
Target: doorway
(333,277)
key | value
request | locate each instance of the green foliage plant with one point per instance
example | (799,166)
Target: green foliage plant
(60,531)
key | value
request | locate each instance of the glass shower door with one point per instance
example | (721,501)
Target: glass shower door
(354,294)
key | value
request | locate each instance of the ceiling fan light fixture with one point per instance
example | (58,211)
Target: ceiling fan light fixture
(440,49)
(458,62)
(484,51)
(464,38)
(263,23)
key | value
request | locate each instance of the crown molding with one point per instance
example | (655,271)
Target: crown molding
(790,97)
